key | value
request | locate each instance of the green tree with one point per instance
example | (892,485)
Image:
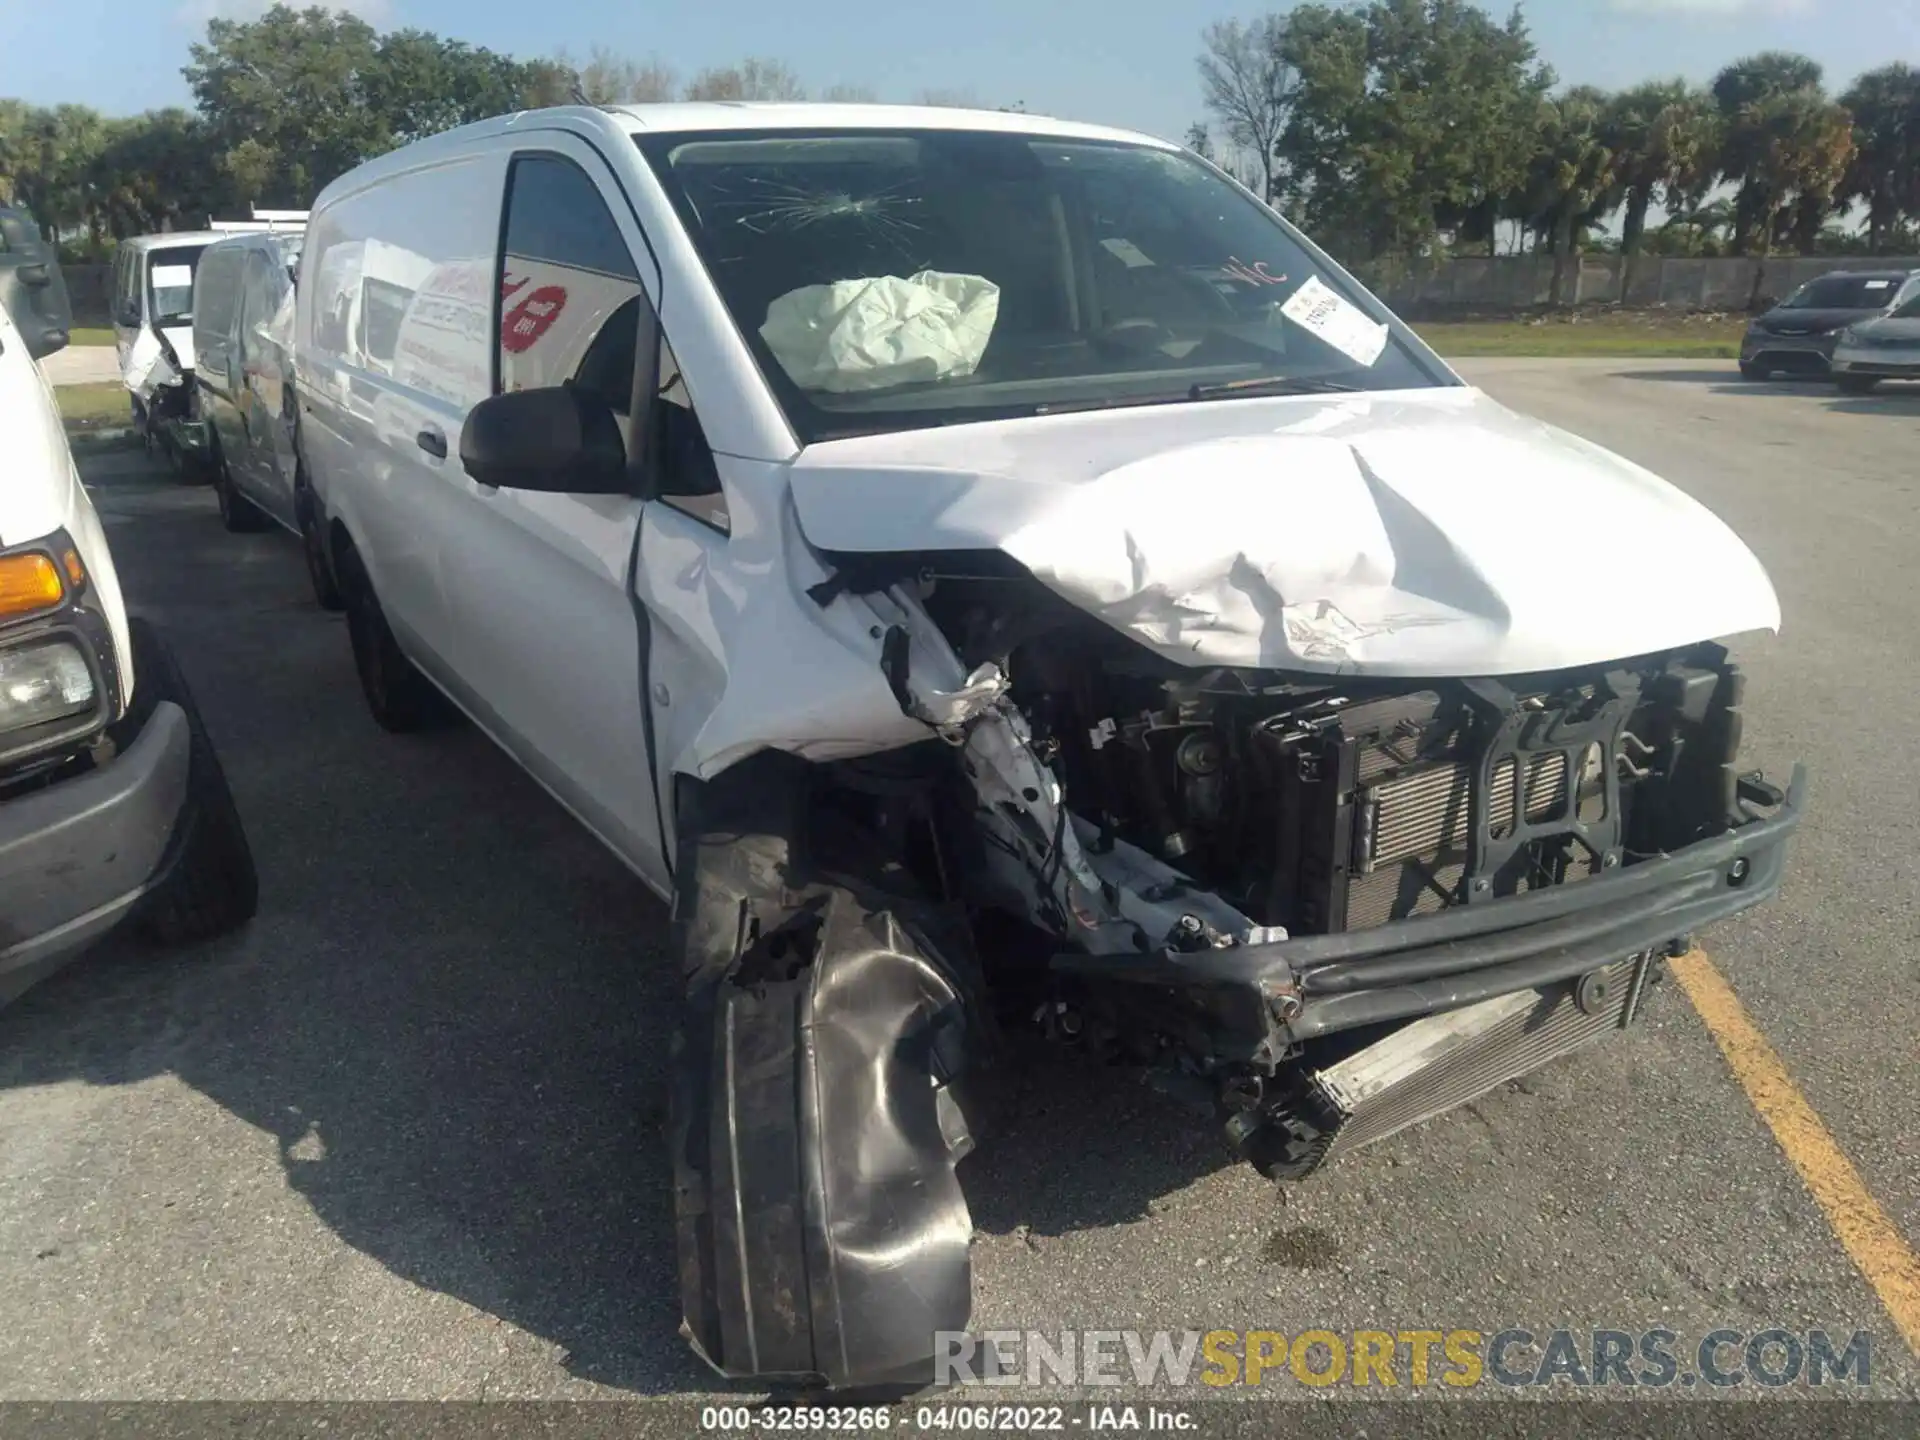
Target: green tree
(418,84)
(49,155)
(1411,118)
(155,172)
(1664,135)
(1885,173)
(303,86)
(1574,173)
(1780,143)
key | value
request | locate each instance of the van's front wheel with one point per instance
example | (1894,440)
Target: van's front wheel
(401,698)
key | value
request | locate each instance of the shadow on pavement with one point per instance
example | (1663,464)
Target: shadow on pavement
(1896,399)
(453,1011)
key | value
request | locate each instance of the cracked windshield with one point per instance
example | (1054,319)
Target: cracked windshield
(887,281)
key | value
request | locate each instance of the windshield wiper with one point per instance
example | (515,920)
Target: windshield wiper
(1270,385)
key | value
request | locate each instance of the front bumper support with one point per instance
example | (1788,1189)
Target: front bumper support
(1261,1000)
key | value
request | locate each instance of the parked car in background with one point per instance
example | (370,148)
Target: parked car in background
(981,568)
(1886,347)
(1798,336)
(243,297)
(152,311)
(113,805)
(32,289)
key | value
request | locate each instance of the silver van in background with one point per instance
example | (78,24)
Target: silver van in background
(243,297)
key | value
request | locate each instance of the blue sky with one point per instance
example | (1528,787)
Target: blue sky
(1122,62)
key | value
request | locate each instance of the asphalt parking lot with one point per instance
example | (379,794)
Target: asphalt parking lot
(402,1137)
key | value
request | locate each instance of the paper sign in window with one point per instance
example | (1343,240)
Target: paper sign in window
(1323,313)
(172,277)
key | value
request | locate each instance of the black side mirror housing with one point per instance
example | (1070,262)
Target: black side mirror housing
(556,439)
(45,340)
(128,316)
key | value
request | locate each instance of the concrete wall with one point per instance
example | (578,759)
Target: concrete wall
(1520,281)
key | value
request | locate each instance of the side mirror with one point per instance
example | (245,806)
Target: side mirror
(556,439)
(127,315)
(46,341)
(38,276)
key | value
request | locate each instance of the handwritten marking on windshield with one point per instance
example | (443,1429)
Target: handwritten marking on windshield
(1254,274)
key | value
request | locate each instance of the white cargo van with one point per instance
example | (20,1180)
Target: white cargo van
(980,566)
(113,806)
(243,401)
(152,312)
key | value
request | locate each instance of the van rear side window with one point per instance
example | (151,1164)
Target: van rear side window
(397,279)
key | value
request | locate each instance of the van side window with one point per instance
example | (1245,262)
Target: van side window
(565,273)
(218,293)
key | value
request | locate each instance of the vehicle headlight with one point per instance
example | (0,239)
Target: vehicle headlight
(38,683)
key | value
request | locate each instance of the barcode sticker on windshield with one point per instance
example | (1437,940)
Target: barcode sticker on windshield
(1343,325)
(172,277)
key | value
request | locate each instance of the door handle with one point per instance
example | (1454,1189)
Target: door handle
(433,442)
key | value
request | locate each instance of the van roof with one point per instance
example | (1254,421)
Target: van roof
(699,115)
(174,239)
(695,116)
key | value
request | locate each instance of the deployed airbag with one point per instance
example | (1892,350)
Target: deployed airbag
(871,333)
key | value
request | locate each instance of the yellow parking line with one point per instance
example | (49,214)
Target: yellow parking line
(1878,1249)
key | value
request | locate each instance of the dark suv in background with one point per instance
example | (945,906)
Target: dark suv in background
(1798,335)
(31,286)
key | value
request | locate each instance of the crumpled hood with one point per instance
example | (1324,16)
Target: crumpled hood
(1417,533)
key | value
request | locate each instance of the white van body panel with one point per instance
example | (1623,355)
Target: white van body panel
(40,490)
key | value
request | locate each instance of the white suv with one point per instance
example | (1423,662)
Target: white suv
(980,566)
(113,805)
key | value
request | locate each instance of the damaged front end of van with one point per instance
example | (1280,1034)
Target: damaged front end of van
(1289,762)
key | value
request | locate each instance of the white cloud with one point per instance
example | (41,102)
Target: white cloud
(1714,8)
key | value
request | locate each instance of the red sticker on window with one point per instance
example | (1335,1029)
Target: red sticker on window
(523,325)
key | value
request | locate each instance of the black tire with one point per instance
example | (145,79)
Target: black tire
(213,887)
(784,1087)
(239,514)
(401,698)
(1857,384)
(313,545)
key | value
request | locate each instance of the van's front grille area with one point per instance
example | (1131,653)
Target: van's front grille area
(1411,832)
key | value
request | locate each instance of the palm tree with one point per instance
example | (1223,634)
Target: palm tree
(1574,172)
(1765,102)
(1885,173)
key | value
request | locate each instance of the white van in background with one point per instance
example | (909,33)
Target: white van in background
(152,313)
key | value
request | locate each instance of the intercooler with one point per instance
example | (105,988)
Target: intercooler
(1442,1061)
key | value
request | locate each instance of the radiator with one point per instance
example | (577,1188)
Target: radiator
(1442,1061)
(1411,833)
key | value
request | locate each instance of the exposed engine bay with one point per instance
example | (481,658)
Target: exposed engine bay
(1187,812)
(1324,907)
